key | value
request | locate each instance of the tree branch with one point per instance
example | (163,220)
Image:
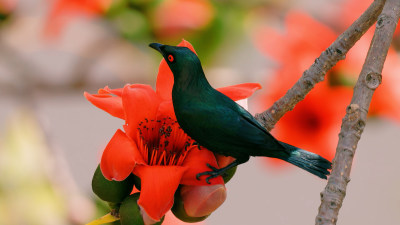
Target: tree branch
(354,122)
(316,73)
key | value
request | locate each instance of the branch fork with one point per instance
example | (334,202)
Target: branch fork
(354,122)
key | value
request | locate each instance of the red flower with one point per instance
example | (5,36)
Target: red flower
(314,123)
(386,99)
(350,10)
(7,6)
(64,10)
(175,17)
(297,47)
(153,146)
(385,102)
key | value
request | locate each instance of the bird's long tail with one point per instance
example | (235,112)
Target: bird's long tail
(308,161)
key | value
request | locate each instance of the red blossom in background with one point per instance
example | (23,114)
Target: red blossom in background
(386,99)
(156,149)
(296,48)
(176,17)
(6,6)
(169,18)
(350,10)
(314,123)
(63,11)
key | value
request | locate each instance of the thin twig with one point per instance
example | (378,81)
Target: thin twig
(316,73)
(354,122)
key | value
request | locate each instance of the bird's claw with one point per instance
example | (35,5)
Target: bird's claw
(198,145)
(212,174)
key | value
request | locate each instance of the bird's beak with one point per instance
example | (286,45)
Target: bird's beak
(156,46)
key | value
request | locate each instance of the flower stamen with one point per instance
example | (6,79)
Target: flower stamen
(162,157)
(162,142)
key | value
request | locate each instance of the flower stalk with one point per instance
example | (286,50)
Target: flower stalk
(108,218)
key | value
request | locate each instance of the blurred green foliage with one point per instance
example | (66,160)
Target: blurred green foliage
(217,22)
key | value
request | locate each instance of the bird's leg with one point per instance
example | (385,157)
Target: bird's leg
(217,172)
(198,145)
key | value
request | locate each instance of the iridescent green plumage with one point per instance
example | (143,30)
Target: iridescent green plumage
(220,124)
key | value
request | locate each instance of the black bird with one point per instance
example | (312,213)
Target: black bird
(220,124)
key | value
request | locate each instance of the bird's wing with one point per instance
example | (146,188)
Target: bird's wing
(249,118)
(249,121)
(228,128)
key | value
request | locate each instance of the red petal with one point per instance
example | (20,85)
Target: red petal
(196,162)
(119,157)
(166,109)
(107,90)
(224,160)
(158,186)
(269,40)
(62,11)
(165,79)
(187,44)
(140,102)
(296,38)
(240,91)
(108,103)
(174,18)
(381,104)
(298,25)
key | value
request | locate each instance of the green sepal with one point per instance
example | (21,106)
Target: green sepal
(111,191)
(113,205)
(227,176)
(179,210)
(129,212)
(138,182)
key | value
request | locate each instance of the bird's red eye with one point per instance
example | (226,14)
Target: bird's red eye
(170,58)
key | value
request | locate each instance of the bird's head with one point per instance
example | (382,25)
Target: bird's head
(183,63)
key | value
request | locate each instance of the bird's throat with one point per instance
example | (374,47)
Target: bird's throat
(190,81)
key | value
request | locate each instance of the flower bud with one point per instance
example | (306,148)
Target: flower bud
(195,203)
(179,211)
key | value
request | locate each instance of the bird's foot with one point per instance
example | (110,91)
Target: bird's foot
(198,145)
(212,174)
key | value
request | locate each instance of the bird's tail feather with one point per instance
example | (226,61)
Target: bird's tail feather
(308,161)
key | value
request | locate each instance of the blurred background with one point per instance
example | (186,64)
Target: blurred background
(51,138)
